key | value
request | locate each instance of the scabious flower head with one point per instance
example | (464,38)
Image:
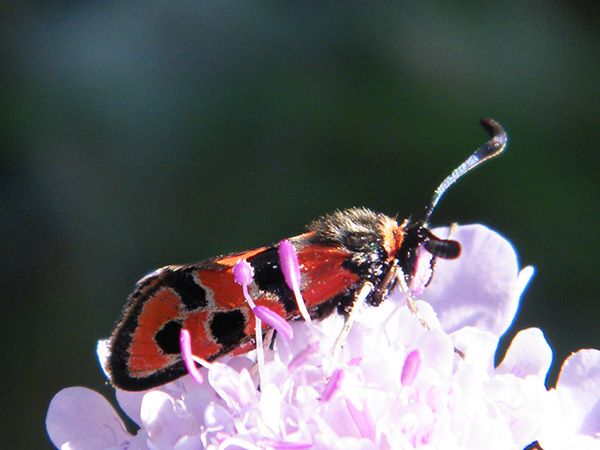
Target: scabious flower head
(395,384)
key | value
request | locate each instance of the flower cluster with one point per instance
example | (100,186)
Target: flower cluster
(395,384)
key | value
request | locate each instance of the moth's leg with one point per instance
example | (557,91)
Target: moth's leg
(267,342)
(270,337)
(359,298)
(382,290)
(411,303)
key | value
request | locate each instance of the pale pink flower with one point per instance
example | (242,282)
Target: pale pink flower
(395,384)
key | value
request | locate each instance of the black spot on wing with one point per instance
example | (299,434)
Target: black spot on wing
(192,295)
(267,270)
(269,277)
(227,327)
(168,337)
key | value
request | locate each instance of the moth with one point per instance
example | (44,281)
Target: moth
(338,254)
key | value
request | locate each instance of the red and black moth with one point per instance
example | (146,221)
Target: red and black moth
(338,255)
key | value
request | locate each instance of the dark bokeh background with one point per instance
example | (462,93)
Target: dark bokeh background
(137,134)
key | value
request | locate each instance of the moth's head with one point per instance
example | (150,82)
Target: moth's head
(417,236)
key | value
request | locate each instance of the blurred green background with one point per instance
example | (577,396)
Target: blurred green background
(138,134)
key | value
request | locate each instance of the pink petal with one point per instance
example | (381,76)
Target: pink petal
(79,418)
(274,320)
(477,288)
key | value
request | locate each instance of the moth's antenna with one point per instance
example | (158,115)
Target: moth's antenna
(489,150)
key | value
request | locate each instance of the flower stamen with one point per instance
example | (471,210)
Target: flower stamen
(333,385)
(410,368)
(291,272)
(274,320)
(243,274)
(303,356)
(185,344)
(362,420)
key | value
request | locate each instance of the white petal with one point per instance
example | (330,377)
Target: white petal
(189,443)
(522,402)
(403,327)
(478,347)
(528,355)
(139,441)
(578,442)
(270,405)
(197,401)
(79,418)
(131,403)
(578,388)
(477,288)
(216,417)
(523,279)
(437,351)
(237,389)
(485,432)
(165,421)
(103,352)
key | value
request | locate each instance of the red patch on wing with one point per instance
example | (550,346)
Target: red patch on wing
(325,276)
(159,309)
(203,344)
(226,292)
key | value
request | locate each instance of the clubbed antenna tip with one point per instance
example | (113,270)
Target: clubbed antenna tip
(489,150)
